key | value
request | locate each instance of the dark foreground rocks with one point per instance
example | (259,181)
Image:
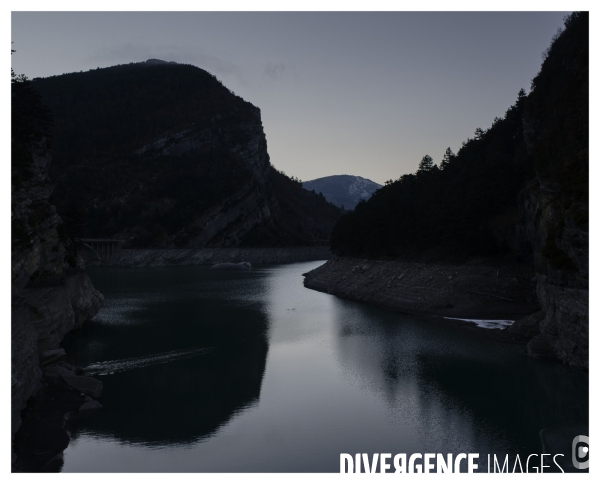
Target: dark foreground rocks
(41,317)
(42,438)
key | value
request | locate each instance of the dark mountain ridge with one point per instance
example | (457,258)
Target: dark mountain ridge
(163,155)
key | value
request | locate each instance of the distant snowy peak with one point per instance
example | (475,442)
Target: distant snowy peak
(343,190)
(362,189)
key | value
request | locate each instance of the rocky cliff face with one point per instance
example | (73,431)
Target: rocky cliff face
(51,293)
(229,219)
(554,205)
(163,155)
(561,262)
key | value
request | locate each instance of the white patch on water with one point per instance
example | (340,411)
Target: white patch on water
(113,366)
(488,323)
(118,310)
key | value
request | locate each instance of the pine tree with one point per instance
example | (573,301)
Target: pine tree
(448,157)
(426,164)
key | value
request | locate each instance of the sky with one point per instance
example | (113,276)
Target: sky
(358,93)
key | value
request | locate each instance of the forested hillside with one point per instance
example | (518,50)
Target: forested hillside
(450,206)
(468,203)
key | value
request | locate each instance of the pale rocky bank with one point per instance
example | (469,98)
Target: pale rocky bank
(208,256)
(473,291)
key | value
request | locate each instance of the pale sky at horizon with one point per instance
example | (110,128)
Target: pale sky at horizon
(363,93)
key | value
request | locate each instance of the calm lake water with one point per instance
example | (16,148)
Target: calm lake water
(249,371)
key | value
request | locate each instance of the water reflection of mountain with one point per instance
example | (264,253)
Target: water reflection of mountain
(429,371)
(179,402)
(183,364)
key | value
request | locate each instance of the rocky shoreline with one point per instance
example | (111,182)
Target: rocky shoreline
(492,289)
(206,256)
(474,291)
(553,328)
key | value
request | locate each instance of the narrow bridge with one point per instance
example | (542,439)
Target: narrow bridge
(103,248)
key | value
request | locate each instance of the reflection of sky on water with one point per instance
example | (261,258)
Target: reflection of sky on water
(294,377)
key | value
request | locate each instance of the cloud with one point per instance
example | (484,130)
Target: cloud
(275,71)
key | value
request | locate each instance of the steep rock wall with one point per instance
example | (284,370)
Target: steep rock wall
(561,262)
(51,293)
(231,218)
(554,205)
